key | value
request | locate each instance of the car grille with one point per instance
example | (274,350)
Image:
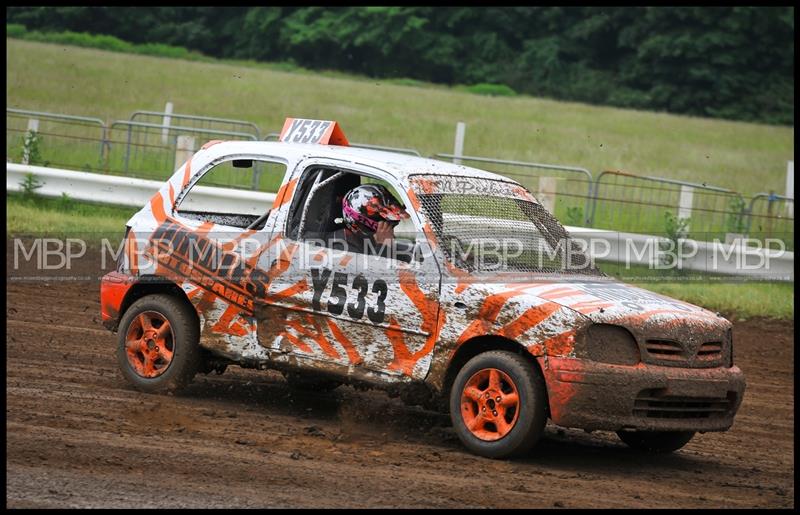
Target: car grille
(665,349)
(676,354)
(653,404)
(710,351)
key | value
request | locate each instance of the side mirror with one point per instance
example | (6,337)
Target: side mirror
(242,163)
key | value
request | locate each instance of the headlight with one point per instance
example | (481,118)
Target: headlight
(613,344)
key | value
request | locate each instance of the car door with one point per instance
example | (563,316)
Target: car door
(212,241)
(345,311)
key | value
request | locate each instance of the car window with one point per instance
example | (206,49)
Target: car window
(320,216)
(237,175)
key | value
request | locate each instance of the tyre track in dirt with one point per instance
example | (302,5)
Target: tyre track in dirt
(79,436)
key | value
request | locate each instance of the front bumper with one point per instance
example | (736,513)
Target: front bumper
(113,288)
(591,395)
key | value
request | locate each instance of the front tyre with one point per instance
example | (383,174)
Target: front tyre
(498,404)
(158,349)
(656,441)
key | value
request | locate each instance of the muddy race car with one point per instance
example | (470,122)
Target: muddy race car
(495,314)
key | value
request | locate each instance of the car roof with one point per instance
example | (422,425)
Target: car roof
(399,165)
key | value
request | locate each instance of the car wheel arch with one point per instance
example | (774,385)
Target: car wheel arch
(151,285)
(478,345)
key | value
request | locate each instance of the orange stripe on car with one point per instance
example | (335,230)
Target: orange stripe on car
(298,287)
(210,143)
(131,249)
(433,319)
(352,353)
(297,342)
(157,206)
(591,306)
(558,293)
(204,227)
(284,194)
(530,318)
(560,345)
(230,244)
(222,325)
(315,334)
(488,313)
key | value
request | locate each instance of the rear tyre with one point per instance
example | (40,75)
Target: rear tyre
(656,441)
(158,345)
(498,404)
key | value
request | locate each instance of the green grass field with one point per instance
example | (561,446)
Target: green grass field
(66,79)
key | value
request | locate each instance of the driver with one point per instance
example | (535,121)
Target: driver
(370,213)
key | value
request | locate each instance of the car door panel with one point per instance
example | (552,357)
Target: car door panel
(349,310)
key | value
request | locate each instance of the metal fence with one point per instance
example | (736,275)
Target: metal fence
(197,122)
(613,199)
(655,205)
(124,147)
(566,191)
(152,150)
(57,140)
(771,216)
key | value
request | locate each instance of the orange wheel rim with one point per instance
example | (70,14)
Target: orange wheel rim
(150,344)
(490,404)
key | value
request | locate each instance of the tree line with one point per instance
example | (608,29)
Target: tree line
(722,62)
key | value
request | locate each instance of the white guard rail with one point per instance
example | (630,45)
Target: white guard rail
(738,259)
(127,191)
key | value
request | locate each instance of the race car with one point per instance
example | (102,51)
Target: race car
(493,312)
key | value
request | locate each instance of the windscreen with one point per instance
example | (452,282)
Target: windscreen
(487,225)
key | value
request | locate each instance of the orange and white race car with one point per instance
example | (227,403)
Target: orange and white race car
(492,313)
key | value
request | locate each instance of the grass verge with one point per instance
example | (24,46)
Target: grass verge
(63,78)
(35,215)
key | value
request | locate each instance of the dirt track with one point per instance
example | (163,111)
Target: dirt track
(79,436)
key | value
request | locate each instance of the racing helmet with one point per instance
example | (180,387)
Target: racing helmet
(366,205)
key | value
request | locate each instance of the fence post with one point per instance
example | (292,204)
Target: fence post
(770,201)
(685,203)
(458,149)
(183,150)
(547,193)
(33,128)
(790,188)
(167,120)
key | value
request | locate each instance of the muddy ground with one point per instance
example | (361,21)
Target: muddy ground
(79,436)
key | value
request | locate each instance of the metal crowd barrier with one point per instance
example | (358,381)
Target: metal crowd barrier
(204,122)
(769,216)
(638,203)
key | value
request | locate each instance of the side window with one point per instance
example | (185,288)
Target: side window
(237,175)
(318,217)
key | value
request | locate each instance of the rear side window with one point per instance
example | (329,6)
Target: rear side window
(240,177)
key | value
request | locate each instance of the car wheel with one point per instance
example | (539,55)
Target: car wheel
(498,404)
(309,383)
(158,347)
(656,441)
